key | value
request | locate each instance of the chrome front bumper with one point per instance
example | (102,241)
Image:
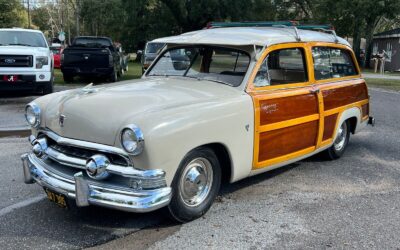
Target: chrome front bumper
(86,192)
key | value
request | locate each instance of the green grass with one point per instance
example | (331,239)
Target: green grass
(384,83)
(365,70)
(134,72)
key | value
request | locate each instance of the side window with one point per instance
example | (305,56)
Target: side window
(283,66)
(332,63)
(229,62)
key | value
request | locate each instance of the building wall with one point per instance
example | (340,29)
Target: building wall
(392,47)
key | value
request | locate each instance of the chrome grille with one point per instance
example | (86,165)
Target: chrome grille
(85,154)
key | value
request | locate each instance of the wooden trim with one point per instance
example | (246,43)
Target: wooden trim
(288,123)
(284,141)
(287,108)
(329,128)
(343,96)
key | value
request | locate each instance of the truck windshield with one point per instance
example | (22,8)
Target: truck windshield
(22,38)
(223,65)
(92,42)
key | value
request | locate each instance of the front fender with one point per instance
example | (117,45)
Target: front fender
(170,134)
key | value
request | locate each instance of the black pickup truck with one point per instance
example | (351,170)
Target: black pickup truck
(94,57)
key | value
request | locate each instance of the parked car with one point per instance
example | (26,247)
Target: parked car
(25,61)
(170,138)
(94,57)
(57,51)
(150,52)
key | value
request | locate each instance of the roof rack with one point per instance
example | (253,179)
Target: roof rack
(327,28)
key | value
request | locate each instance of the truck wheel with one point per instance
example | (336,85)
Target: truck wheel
(114,76)
(48,89)
(340,143)
(195,185)
(68,78)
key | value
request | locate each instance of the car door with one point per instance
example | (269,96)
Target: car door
(287,106)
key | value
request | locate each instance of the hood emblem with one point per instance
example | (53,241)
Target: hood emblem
(61,120)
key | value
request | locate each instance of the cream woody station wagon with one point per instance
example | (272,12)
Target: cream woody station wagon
(219,103)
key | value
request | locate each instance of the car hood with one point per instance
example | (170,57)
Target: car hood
(97,114)
(23,50)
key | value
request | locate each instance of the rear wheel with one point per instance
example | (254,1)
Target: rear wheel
(114,76)
(195,185)
(340,143)
(68,78)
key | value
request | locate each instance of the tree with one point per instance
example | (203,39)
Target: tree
(12,14)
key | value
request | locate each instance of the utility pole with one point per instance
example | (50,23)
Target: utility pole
(29,15)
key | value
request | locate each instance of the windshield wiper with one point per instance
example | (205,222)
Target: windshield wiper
(211,80)
(20,44)
(218,81)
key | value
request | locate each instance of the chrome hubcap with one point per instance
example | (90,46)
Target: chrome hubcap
(341,137)
(196,181)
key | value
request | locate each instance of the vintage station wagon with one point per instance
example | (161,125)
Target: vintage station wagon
(220,103)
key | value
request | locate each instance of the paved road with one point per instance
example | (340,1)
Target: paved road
(12,106)
(353,202)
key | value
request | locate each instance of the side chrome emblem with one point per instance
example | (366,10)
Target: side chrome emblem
(61,120)
(9,60)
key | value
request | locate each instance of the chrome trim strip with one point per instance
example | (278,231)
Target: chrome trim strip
(85,192)
(85,144)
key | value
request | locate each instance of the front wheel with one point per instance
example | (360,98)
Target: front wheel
(340,143)
(48,89)
(195,185)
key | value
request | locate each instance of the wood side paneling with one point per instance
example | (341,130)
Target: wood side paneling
(365,109)
(287,140)
(341,96)
(329,126)
(286,108)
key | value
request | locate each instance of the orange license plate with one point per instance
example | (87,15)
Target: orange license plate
(59,199)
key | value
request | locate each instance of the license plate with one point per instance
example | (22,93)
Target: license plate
(10,78)
(59,199)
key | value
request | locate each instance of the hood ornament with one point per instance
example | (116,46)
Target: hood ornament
(61,120)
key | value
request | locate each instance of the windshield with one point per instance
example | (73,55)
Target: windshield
(223,65)
(22,38)
(92,42)
(153,48)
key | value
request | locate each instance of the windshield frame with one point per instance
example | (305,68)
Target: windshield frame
(220,47)
(44,41)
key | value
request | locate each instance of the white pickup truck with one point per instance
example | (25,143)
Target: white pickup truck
(26,62)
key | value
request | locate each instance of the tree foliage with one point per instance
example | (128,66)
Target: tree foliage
(12,14)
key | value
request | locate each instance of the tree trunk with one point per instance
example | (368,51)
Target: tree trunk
(370,29)
(357,37)
(77,15)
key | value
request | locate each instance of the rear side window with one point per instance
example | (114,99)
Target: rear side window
(283,66)
(332,63)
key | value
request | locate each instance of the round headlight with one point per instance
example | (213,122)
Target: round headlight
(32,115)
(132,139)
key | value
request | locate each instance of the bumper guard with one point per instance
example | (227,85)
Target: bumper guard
(87,193)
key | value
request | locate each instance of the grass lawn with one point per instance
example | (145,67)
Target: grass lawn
(365,70)
(384,83)
(134,72)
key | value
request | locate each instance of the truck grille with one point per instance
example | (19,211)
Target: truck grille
(21,61)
